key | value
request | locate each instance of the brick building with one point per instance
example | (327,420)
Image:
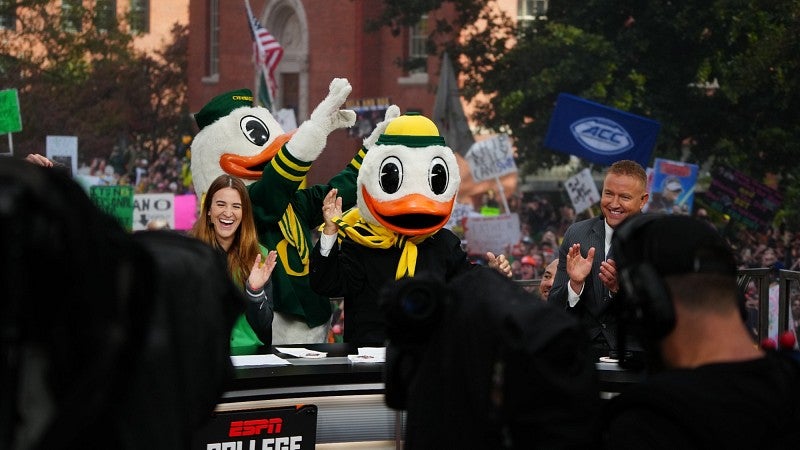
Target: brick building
(322,41)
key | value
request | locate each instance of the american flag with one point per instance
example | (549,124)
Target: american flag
(268,51)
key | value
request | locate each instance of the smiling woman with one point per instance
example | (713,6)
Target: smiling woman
(226,223)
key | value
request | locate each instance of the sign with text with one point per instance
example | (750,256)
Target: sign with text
(116,201)
(10,119)
(582,190)
(153,208)
(491,158)
(744,199)
(492,233)
(283,428)
(598,133)
(460,212)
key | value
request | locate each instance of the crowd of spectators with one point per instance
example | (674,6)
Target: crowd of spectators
(168,172)
(543,224)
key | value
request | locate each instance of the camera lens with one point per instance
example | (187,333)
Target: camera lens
(418,303)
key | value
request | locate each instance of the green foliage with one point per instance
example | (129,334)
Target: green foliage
(722,76)
(92,83)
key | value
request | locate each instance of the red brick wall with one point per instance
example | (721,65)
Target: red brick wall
(338,47)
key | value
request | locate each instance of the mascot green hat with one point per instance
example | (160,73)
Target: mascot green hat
(411,130)
(222,105)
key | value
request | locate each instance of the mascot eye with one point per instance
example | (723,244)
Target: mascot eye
(438,176)
(254,130)
(391,175)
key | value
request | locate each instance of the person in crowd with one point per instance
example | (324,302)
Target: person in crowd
(527,268)
(710,386)
(586,280)
(226,223)
(547,279)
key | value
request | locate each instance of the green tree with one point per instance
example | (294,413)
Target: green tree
(77,73)
(722,77)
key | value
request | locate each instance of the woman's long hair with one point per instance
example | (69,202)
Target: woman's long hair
(244,248)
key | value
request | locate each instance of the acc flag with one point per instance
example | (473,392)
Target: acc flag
(600,134)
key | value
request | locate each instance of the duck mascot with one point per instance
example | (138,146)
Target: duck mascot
(246,141)
(406,189)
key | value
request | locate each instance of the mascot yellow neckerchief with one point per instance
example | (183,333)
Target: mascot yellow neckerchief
(246,141)
(406,187)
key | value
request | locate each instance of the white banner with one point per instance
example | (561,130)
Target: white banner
(492,233)
(582,191)
(491,158)
(153,207)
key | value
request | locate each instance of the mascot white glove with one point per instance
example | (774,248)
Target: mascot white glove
(308,141)
(392,112)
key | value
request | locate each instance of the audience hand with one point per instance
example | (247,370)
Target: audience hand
(38,159)
(499,263)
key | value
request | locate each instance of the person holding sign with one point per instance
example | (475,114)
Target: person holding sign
(586,279)
(226,223)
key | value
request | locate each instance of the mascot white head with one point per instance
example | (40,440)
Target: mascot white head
(409,179)
(235,138)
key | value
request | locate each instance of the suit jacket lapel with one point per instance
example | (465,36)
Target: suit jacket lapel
(597,239)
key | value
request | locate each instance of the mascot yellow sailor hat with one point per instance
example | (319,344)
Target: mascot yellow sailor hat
(409,179)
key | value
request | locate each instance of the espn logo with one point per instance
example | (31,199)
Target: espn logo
(255,427)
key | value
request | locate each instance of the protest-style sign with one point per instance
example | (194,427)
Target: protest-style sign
(492,233)
(491,158)
(582,190)
(185,211)
(744,199)
(671,187)
(157,208)
(117,201)
(10,119)
(63,150)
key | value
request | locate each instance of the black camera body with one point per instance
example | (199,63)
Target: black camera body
(480,350)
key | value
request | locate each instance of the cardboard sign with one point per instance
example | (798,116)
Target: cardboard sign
(63,150)
(744,199)
(290,428)
(117,201)
(582,190)
(10,119)
(153,208)
(672,187)
(492,233)
(491,158)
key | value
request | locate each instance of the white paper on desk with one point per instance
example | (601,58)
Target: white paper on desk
(258,360)
(369,355)
(301,352)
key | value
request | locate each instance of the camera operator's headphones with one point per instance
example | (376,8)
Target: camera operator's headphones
(645,304)
(648,247)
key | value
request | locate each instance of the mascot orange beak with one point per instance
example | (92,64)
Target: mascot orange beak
(242,166)
(412,215)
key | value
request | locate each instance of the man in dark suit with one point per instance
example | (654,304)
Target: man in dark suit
(586,279)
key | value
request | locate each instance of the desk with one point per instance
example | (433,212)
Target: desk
(347,393)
